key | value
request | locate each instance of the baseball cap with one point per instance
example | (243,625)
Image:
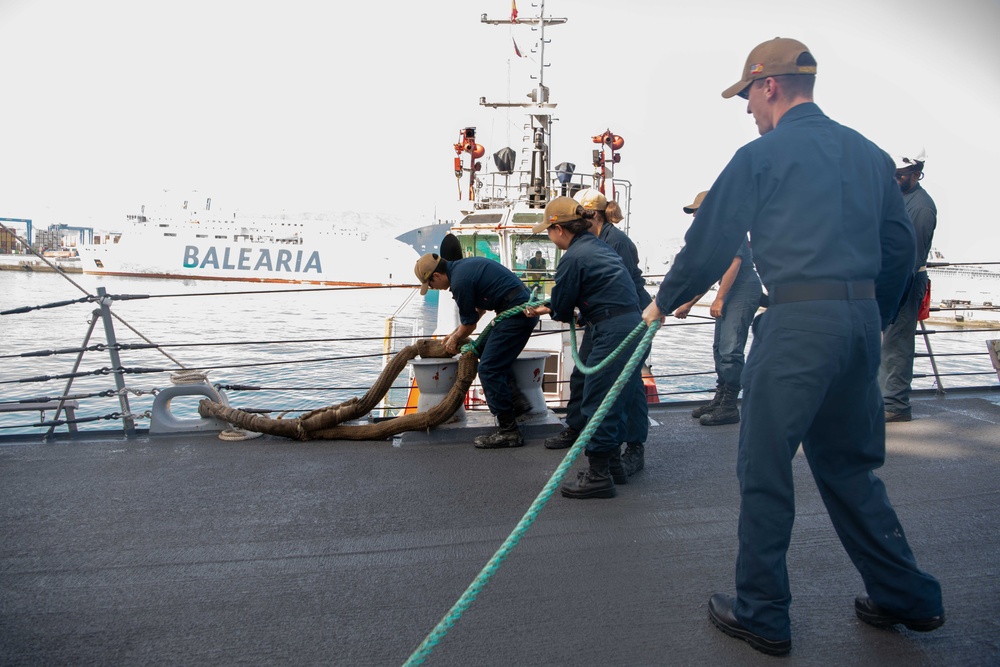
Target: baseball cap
(424,268)
(592,200)
(693,206)
(558,211)
(772,58)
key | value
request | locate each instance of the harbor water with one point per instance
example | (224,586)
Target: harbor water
(304,347)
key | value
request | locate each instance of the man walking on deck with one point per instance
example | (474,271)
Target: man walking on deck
(896,372)
(835,249)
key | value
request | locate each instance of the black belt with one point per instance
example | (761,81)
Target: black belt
(508,300)
(790,292)
(608,313)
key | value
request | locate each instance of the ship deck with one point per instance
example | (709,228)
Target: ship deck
(190,550)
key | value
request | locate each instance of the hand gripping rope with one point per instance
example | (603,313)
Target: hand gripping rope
(423,651)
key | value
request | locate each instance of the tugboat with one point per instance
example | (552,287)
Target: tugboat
(501,202)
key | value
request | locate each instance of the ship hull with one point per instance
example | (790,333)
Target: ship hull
(335,261)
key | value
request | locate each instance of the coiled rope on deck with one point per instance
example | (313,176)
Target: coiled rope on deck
(423,651)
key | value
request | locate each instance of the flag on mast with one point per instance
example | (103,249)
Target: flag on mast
(517,51)
(513,16)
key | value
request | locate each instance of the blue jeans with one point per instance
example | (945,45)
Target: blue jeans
(811,378)
(896,372)
(731,330)
(506,340)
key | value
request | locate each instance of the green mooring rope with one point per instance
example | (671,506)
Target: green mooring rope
(476,346)
(590,370)
(479,583)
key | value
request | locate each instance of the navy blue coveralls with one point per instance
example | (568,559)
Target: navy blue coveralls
(477,282)
(637,428)
(592,277)
(896,371)
(826,221)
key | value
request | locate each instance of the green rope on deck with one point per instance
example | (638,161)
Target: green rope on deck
(590,370)
(479,583)
(476,346)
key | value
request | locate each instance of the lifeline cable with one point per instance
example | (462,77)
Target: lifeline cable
(423,651)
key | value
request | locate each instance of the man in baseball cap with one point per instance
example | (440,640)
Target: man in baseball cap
(835,249)
(776,57)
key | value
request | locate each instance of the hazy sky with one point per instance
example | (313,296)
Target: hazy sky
(331,106)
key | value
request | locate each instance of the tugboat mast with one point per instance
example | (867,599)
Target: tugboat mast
(539,109)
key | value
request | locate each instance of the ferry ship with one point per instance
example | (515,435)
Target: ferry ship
(185,236)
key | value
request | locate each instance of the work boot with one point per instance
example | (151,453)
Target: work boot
(565,439)
(522,405)
(727,412)
(616,469)
(506,435)
(633,460)
(594,482)
(711,405)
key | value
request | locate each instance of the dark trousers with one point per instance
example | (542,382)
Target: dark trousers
(811,378)
(506,340)
(732,330)
(896,372)
(606,336)
(636,428)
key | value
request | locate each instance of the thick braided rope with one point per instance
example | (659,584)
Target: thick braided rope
(476,346)
(590,370)
(479,583)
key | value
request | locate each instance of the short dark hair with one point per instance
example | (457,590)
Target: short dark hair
(799,84)
(442,266)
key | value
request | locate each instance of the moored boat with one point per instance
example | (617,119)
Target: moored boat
(501,200)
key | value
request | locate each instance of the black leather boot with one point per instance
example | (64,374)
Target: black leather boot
(565,439)
(711,405)
(633,460)
(594,482)
(727,412)
(616,469)
(522,405)
(506,435)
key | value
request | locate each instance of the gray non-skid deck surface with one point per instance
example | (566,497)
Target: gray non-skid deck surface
(196,551)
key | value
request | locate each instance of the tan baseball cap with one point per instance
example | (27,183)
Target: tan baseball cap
(592,200)
(693,206)
(772,58)
(424,268)
(558,211)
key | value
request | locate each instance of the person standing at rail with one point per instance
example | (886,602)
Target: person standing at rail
(733,308)
(895,375)
(606,215)
(835,249)
(478,284)
(592,278)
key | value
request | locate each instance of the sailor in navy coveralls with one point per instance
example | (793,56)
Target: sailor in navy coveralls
(592,277)
(606,216)
(478,284)
(834,248)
